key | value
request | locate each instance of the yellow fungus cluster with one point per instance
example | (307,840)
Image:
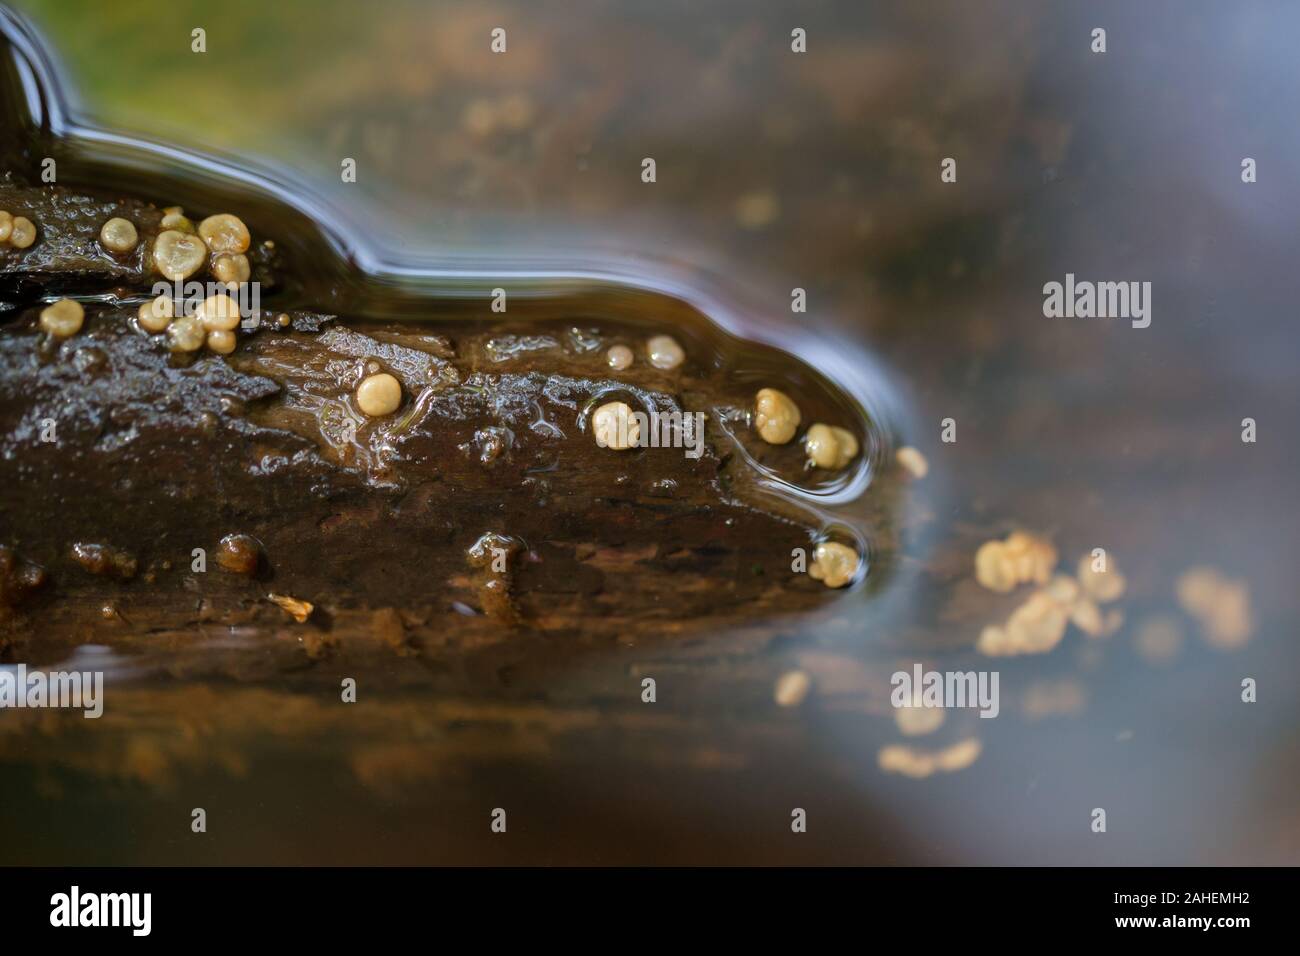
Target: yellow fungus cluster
(1038,625)
(214,322)
(1022,557)
(912,762)
(1220,604)
(829,446)
(220,241)
(16,231)
(776,416)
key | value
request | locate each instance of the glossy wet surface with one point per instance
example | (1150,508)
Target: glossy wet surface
(774,172)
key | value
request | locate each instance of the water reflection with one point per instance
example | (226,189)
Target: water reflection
(778,172)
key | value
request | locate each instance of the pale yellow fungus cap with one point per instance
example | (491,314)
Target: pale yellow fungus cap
(219,313)
(619,357)
(792,688)
(63,319)
(829,446)
(224,233)
(379,395)
(834,564)
(912,461)
(222,341)
(6,226)
(664,352)
(185,334)
(178,255)
(156,314)
(118,235)
(231,268)
(776,416)
(615,427)
(22,233)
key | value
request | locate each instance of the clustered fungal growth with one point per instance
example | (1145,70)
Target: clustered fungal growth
(834,564)
(1038,625)
(214,322)
(614,426)
(916,763)
(830,446)
(777,418)
(16,231)
(63,319)
(379,395)
(1219,603)
(1001,565)
(118,235)
(180,250)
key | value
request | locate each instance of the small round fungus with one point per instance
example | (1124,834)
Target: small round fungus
(118,235)
(221,341)
(792,688)
(231,268)
(175,219)
(23,232)
(219,313)
(776,416)
(6,226)
(156,314)
(224,233)
(830,446)
(912,461)
(63,319)
(834,564)
(239,554)
(664,352)
(379,394)
(178,255)
(185,334)
(615,427)
(619,357)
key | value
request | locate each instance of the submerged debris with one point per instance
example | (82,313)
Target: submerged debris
(299,610)
(1220,604)
(1022,557)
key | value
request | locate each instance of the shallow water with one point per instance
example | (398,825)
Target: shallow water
(774,171)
